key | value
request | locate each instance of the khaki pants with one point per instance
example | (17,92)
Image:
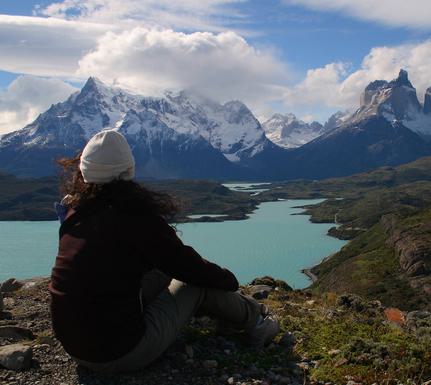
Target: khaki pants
(170,310)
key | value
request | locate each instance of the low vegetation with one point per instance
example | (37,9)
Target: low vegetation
(324,339)
(33,199)
(370,264)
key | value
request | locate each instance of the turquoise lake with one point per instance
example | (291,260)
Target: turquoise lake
(271,242)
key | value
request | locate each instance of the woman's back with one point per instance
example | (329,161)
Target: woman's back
(96,281)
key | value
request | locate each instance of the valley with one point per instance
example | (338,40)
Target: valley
(384,213)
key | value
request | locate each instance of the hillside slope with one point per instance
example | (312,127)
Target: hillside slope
(326,339)
(386,213)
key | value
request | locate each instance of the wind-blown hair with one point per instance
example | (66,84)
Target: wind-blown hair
(128,195)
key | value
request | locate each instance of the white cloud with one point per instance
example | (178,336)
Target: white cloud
(320,86)
(222,65)
(210,15)
(413,13)
(45,46)
(334,86)
(151,60)
(26,97)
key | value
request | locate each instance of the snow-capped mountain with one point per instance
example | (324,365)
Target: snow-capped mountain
(390,127)
(186,135)
(289,132)
(397,102)
(175,136)
(230,128)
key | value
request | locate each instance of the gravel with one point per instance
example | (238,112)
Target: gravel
(199,357)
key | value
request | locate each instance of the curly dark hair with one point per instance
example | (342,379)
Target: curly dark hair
(119,193)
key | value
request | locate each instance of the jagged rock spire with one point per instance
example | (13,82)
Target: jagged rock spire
(396,99)
(402,80)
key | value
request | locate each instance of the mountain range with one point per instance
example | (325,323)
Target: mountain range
(390,127)
(187,135)
(287,131)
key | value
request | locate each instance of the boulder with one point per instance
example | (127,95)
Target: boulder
(15,356)
(418,319)
(416,269)
(260,291)
(412,245)
(15,333)
(359,304)
(269,281)
(10,285)
(352,301)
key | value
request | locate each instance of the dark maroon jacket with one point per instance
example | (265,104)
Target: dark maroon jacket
(95,283)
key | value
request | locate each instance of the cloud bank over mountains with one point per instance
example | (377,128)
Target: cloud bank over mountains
(149,46)
(221,65)
(334,85)
(26,97)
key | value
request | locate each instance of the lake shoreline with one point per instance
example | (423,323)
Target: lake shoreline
(308,272)
(204,240)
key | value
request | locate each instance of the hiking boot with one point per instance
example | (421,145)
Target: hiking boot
(264,332)
(226,329)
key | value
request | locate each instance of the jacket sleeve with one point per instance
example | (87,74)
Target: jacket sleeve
(168,253)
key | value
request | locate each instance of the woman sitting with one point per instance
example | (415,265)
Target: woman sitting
(114,305)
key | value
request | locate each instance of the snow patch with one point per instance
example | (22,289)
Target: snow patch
(289,132)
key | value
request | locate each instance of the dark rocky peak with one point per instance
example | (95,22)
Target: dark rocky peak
(372,89)
(376,85)
(91,94)
(402,98)
(401,80)
(92,86)
(396,99)
(427,101)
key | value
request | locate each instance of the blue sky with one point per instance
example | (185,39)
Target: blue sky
(309,39)
(304,56)
(303,38)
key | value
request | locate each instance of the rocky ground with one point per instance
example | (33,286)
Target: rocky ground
(324,340)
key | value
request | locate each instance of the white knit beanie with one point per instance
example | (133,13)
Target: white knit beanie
(107,156)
